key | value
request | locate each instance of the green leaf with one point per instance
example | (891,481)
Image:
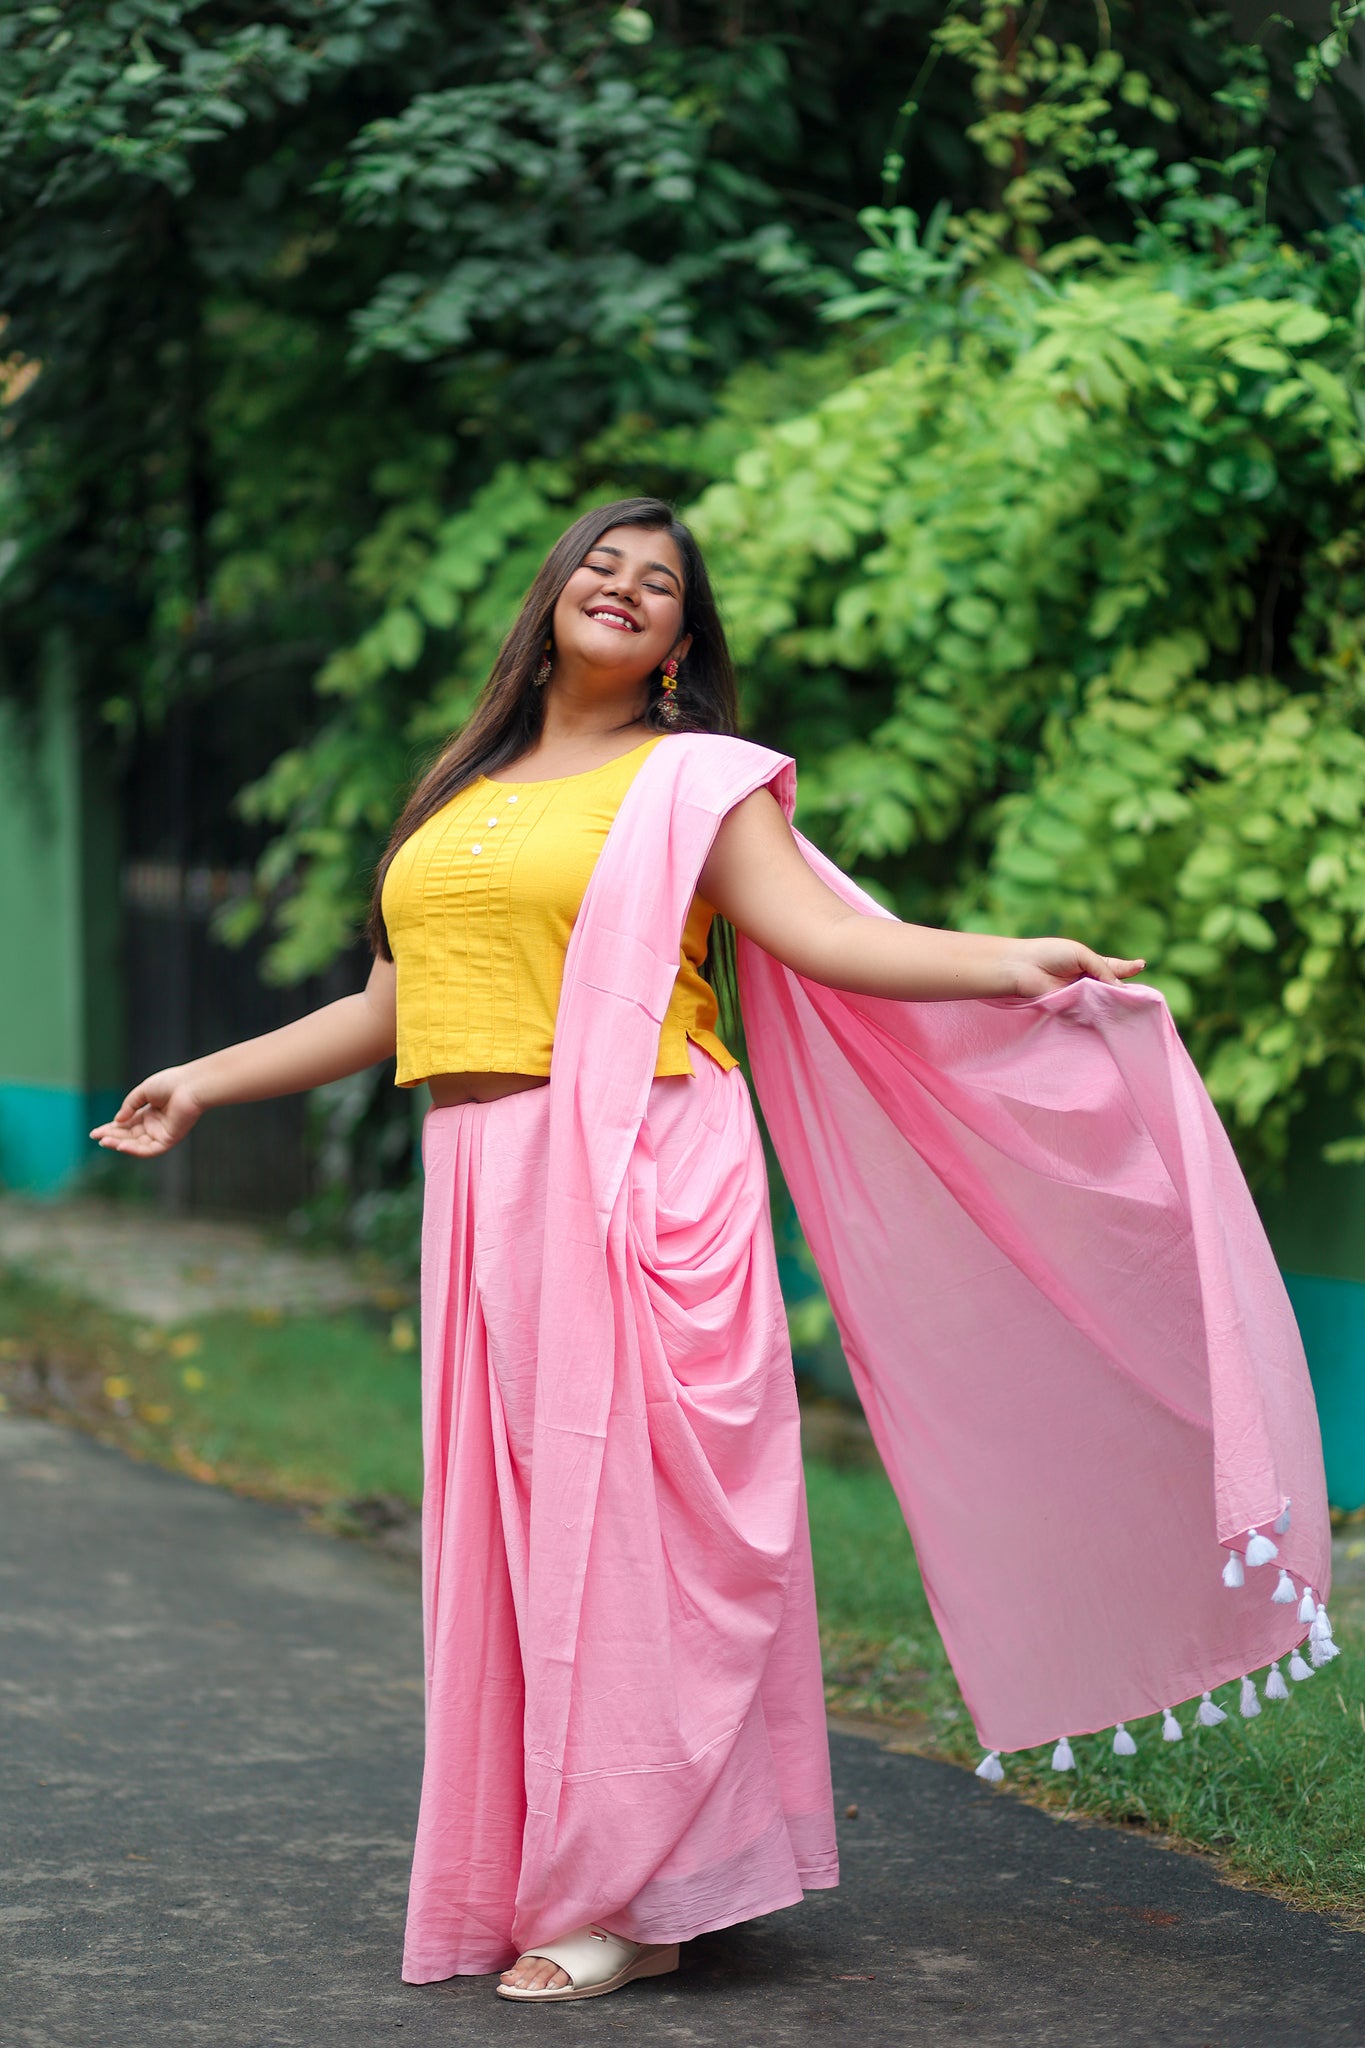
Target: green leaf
(402,637)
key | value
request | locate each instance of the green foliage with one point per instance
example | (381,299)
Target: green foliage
(1051,594)
(280,270)
(623,261)
(1046,567)
(1040,108)
(1058,578)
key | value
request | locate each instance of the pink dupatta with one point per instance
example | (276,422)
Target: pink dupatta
(1065,1325)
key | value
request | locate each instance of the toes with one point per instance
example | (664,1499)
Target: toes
(535,1973)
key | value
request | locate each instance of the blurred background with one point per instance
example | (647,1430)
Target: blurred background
(1008,360)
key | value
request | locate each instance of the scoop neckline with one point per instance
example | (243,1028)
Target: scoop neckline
(550,781)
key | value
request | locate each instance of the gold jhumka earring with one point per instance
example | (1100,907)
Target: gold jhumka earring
(668,703)
(546,669)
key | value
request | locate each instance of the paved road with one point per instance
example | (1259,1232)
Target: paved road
(209,1767)
(178,1267)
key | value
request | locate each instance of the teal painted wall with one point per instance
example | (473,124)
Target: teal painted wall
(1316,1223)
(60,1042)
(1331,1315)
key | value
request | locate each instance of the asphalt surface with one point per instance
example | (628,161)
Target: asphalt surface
(209,1760)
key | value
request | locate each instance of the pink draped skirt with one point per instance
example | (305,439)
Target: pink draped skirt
(695,1776)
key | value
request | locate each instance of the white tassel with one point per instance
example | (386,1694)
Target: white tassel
(1124,1744)
(1308,1606)
(1250,1704)
(1284,1594)
(1321,1648)
(1210,1713)
(1171,1730)
(1260,1549)
(1297,1668)
(1062,1759)
(1281,1523)
(1275,1687)
(1233,1575)
(990,1768)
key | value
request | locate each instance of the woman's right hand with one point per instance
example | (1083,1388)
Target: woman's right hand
(156,1115)
(341,1038)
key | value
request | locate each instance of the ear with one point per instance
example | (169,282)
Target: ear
(680,651)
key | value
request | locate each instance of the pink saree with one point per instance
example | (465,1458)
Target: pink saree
(1065,1325)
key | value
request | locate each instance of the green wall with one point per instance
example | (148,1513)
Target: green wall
(60,1043)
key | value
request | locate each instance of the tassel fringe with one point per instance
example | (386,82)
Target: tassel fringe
(1321,1648)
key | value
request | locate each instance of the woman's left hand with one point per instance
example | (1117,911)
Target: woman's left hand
(1042,965)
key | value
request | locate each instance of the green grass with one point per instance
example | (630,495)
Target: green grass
(310,1408)
(883,1655)
(324,1410)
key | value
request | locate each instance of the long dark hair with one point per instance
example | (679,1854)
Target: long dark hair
(507,718)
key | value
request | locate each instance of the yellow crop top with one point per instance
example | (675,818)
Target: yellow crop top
(479,904)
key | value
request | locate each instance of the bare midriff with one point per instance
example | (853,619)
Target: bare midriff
(449,1090)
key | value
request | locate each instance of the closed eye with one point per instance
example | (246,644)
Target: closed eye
(610,569)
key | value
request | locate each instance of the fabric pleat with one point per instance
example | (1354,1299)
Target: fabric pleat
(696,1773)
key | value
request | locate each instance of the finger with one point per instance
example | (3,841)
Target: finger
(1107,967)
(133,1144)
(120,1123)
(132,1105)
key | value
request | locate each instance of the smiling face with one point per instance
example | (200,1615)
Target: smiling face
(621,612)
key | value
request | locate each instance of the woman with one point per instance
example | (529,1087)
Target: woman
(625,1737)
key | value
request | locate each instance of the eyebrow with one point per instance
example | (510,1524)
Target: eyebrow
(601,548)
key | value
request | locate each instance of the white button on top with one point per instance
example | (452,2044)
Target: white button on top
(511,799)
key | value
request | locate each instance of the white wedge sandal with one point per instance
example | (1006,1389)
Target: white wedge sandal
(596,1962)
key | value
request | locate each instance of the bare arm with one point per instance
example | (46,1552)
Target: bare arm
(339,1039)
(756,876)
